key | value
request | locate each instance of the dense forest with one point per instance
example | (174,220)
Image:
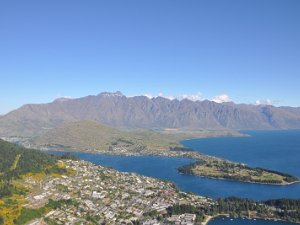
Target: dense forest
(16,161)
(283,209)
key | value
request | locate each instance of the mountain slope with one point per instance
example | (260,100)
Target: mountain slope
(117,110)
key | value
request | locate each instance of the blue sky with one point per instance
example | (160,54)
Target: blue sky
(248,50)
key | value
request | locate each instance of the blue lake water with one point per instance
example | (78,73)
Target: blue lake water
(228,221)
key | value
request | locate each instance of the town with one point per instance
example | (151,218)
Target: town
(106,196)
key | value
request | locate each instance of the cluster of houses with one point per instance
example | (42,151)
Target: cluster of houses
(108,196)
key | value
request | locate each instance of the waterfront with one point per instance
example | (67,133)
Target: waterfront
(166,168)
(244,221)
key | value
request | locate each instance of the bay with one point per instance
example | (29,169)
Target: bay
(277,150)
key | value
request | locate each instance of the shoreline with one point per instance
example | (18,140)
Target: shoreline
(198,156)
(208,219)
(249,182)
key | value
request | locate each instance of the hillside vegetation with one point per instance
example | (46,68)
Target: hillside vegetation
(88,135)
(20,160)
(16,161)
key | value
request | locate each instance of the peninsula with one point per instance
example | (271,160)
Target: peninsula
(235,171)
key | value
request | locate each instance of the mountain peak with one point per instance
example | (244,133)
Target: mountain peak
(63,99)
(112,94)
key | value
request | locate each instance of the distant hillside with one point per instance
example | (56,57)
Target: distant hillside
(117,110)
(88,135)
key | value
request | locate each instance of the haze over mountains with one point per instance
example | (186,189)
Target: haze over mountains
(117,110)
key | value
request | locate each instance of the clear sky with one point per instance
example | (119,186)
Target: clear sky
(248,50)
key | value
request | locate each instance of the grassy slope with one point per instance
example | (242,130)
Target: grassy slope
(90,135)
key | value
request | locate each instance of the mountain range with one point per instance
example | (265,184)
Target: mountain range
(119,111)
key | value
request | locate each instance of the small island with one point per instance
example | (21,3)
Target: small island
(222,169)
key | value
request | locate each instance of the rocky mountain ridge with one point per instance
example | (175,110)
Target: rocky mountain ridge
(119,111)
